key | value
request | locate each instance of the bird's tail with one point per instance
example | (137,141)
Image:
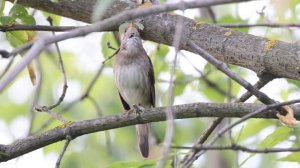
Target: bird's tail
(143,134)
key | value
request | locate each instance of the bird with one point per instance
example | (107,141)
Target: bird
(134,78)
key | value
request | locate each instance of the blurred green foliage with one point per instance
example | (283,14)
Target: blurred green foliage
(117,148)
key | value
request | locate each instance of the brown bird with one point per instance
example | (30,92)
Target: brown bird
(134,77)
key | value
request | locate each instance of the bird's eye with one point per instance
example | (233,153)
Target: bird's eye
(125,30)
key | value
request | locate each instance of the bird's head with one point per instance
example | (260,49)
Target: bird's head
(131,39)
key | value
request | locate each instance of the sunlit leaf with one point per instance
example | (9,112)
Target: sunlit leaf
(294,82)
(181,82)
(6,20)
(253,127)
(279,135)
(18,11)
(162,50)
(17,38)
(28,20)
(2,6)
(293,157)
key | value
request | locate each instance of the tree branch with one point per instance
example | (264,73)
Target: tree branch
(256,53)
(109,23)
(79,128)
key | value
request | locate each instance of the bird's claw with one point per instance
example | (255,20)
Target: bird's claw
(135,110)
(138,109)
(128,112)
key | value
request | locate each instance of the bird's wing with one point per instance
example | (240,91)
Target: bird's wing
(152,82)
(124,103)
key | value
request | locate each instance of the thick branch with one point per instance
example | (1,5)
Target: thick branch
(79,128)
(259,54)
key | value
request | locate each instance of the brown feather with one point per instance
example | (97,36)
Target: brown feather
(134,76)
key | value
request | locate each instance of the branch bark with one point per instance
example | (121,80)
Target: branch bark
(259,54)
(31,143)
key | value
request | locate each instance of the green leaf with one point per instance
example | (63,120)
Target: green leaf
(12,110)
(18,11)
(253,127)
(293,157)
(181,79)
(279,135)
(143,164)
(294,82)
(16,38)
(162,50)
(7,20)
(2,6)
(28,20)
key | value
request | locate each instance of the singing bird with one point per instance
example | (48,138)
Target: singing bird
(134,77)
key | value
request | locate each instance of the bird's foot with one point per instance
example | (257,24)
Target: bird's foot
(138,109)
(289,118)
(128,112)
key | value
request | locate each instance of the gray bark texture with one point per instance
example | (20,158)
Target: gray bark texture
(31,143)
(258,54)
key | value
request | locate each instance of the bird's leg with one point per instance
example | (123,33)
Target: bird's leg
(138,109)
(128,112)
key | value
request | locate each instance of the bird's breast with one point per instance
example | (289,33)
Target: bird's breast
(132,84)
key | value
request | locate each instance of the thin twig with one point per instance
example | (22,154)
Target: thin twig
(235,147)
(61,63)
(110,57)
(273,25)
(68,140)
(111,47)
(16,27)
(14,52)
